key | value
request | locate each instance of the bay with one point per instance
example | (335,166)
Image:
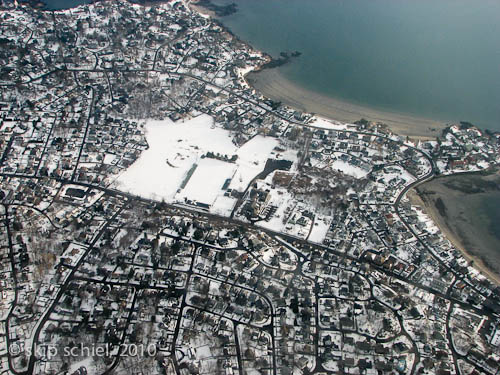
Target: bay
(437,59)
(64,4)
(491,208)
(434,58)
(469,213)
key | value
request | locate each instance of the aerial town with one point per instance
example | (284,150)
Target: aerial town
(159,216)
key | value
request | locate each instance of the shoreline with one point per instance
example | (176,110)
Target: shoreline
(273,85)
(424,197)
(443,226)
(200,9)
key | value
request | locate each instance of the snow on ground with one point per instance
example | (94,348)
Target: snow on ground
(321,122)
(348,169)
(207,181)
(290,155)
(320,228)
(223,205)
(173,150)
(284,203)
(242,72)
(267,255)
(88,363)
(173,169)
(252,157)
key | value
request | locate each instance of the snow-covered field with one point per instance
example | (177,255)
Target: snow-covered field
(207,181)
(327,124)
(175,148)
(320,228)
(252,157)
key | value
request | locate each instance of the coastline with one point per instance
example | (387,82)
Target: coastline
(272,84)
(458,229)
(199,9)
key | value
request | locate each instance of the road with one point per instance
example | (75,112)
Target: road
(274,234)
(62,289)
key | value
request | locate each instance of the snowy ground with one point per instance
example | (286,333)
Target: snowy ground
(284,203)
(207,181)
(252,157)
(348,169)
(327,124)
(175,148)
(320,228)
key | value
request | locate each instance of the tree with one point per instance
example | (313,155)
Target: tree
(294,305)
(250,354)
(198,234)
(221,256)
(176,246)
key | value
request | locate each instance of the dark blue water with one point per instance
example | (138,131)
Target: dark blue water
(431,58)
(64,4)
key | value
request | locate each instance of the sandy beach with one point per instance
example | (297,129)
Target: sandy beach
(472,240)
(199,9)
(464,230)
(272,84)
(474,243)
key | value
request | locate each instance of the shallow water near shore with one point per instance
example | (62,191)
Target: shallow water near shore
(491,207)
(434,59)
(471,213)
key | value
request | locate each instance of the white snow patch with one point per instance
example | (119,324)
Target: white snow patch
(173,150)
(207,181)
(324,123)
(252,157)
(176,148)
(348,169)
(320,229)
(223,205)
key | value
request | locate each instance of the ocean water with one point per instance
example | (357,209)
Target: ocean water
(438,59)
(472,212)
(491,208)
(64,4)
(482,212)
